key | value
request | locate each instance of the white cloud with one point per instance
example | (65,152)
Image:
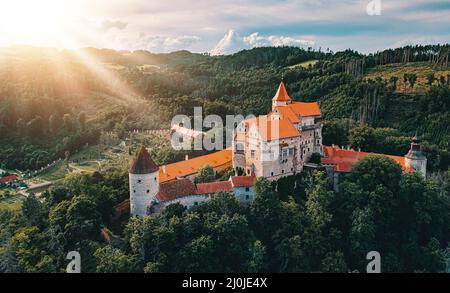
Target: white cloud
(232,42)
(256,40)
(106,25)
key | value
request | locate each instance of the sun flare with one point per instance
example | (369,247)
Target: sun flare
(25,20)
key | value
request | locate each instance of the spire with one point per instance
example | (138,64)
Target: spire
(415,151)
(143,164)
(282,94)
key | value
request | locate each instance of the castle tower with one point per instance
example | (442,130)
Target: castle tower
(281,98)
(144,183)
(415,158)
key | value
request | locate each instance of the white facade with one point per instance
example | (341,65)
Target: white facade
(143,191)
(420,165)
(189,201)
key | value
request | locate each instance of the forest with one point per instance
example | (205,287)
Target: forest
(52,103)
(309,228)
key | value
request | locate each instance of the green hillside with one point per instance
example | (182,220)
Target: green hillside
(55,102)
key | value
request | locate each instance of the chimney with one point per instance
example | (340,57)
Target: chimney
(187,158)
(359,150)
(164,169)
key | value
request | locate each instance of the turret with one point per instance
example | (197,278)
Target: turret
(415,158)
(144,183)
(281,98)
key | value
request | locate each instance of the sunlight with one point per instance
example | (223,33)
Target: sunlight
(25,20)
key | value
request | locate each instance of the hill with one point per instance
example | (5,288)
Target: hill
(52,102)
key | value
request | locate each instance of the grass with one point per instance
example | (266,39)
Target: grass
(421,69)
(13,203)
(56,172)
(305,64)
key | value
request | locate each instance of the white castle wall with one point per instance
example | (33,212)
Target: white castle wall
(143,191)
(419,165)
(189,201)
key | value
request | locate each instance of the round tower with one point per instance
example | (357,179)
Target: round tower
(415,158)
(144,183)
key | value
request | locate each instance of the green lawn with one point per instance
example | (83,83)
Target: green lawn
(56,172)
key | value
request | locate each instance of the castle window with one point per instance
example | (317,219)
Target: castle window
(271,174)
(247,197)
(247,189)
(139,181)
(134,191)
(282,171)
(148,191)
(292,169)
(196,203)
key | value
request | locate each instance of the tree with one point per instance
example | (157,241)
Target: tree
(265,211)
(316,158)
(35,128)
(113,260)
(430,79)
(198,255)
(83,219)
(257,262)
(412,78)
(205,174)
(362,137)
(67,123)
(33,211)
(30,248)
(55,124)
(334,262)
(21,126)
(394,80)
(82,121)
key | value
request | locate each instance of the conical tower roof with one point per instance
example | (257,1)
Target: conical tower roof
(282,94)
(143,164)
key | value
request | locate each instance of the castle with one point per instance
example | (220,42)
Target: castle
(273,146)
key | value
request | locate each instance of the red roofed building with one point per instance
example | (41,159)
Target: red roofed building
(280,143)
(214,187)
(8,179)
(342,160)
(152,188)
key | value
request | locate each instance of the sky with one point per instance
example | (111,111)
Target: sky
(224,26)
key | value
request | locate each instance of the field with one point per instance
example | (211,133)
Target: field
(421,69)
(305,64)
(12,203)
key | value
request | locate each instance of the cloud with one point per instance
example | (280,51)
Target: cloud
(256,40)
(168,43)
(106,25)
(232,42)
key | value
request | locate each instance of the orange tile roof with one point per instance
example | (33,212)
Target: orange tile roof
(214,187)
(243,181)
(175,189)
(282,95)
(287,113)
(273,129)
(343,160)
(190,167)
(305,109)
